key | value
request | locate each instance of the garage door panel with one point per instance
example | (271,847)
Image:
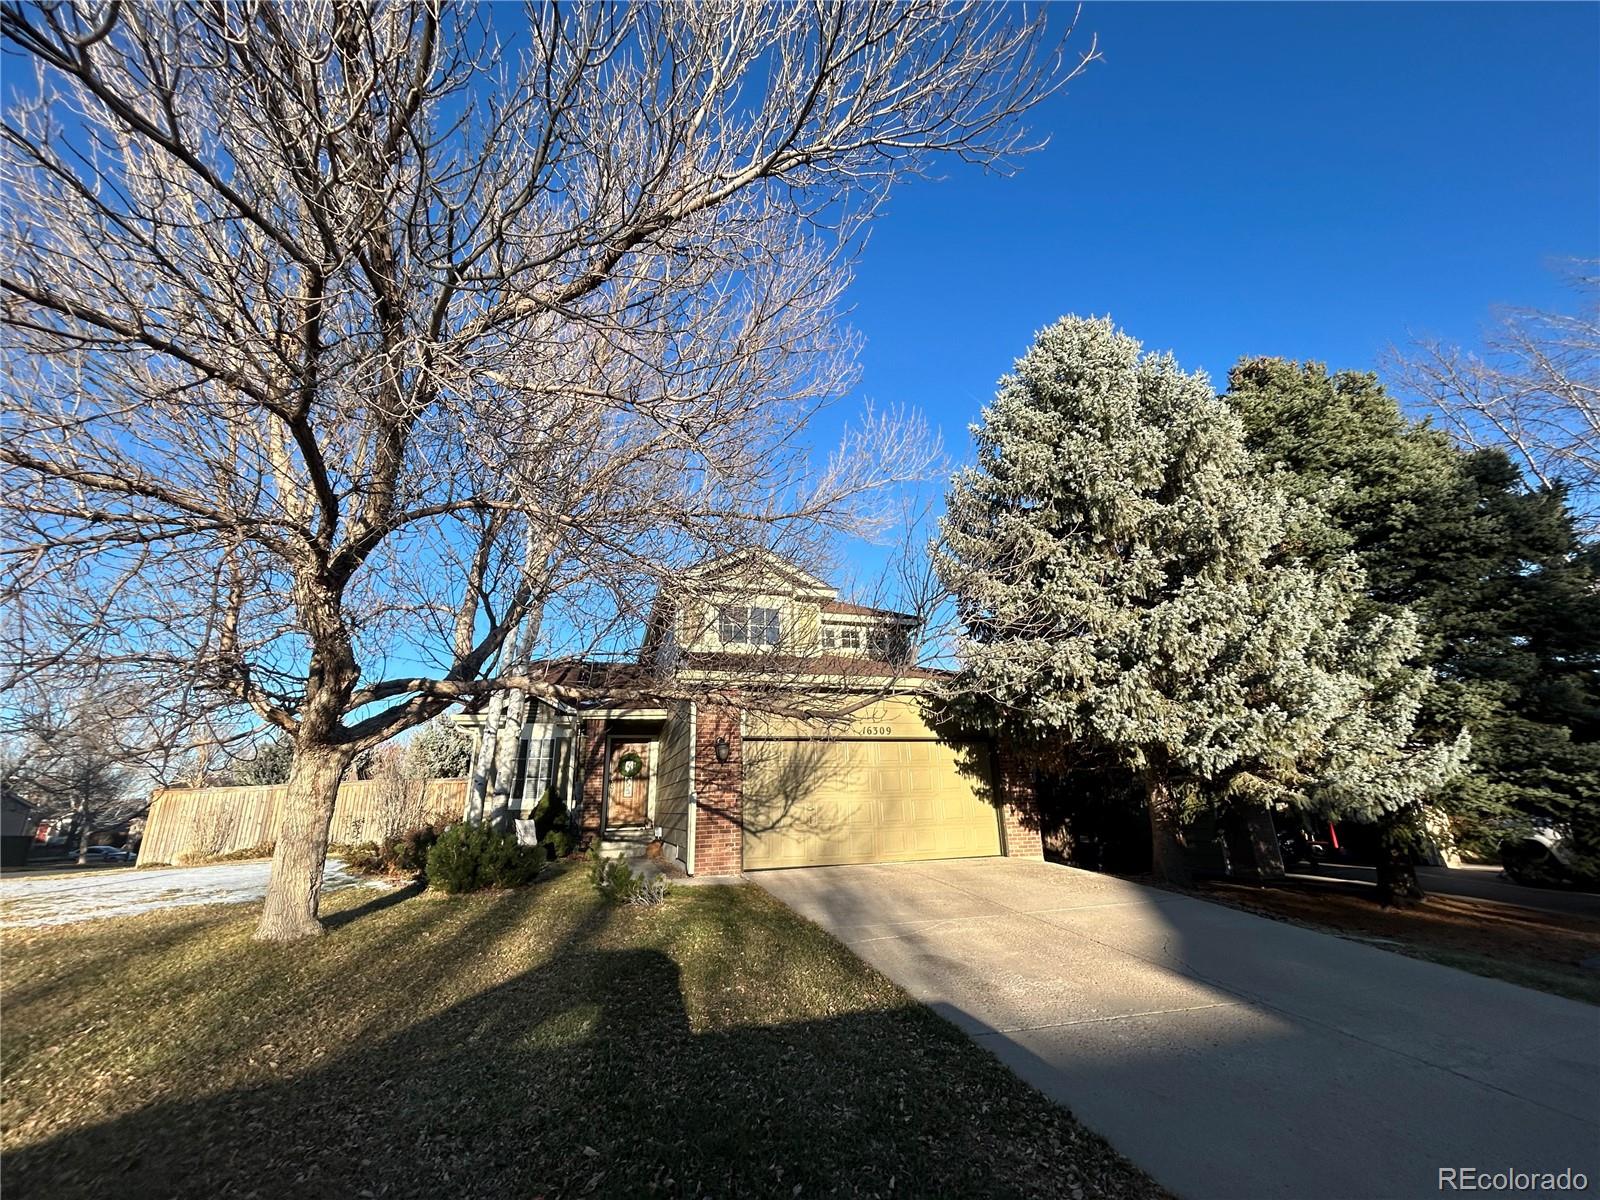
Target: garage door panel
(816,803)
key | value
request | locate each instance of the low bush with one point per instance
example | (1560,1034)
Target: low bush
(472,856)
(557,844)
(406,854)
(409,852)
(360,858)
(550,816)
(621,884)
(548,825)
(649,891)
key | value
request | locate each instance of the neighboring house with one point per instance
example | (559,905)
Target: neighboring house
(820,753)
(17,828)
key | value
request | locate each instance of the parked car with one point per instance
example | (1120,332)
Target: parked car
(1298,846)
(109,854)
(1542,858)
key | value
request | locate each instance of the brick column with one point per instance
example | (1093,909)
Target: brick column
(718,793)
(592,779)
(1019,824)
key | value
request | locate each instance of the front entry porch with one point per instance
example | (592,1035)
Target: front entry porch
(635,783)
(628,800)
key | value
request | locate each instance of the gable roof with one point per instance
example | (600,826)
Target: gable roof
(763,562)
(792,669)
(757,564)
(845,609)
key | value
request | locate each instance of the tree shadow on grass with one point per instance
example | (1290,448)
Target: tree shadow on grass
(385,899)
(191,926)
(584,1077)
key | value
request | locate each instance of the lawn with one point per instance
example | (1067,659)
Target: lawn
(536,1043)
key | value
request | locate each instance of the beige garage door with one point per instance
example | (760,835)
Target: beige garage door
(810,803)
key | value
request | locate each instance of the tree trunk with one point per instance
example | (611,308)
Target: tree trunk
(83,841)
(1168,862)
(1250,842)
(1397,865)
(295,888)
(507,746)
(481,768)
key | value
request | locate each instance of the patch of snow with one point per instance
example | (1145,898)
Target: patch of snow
(88,896)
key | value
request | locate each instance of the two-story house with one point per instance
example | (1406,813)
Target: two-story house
(806,741)
(754,603)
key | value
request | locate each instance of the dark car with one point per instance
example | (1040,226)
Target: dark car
(1298,846)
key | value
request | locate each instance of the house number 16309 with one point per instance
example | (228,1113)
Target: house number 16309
(875,731)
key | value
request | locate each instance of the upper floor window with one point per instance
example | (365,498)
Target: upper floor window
(887,644)
(764,626)
(733,623)
(841,637)
(738,624)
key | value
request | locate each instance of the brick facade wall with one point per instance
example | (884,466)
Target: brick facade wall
(1020,829)
(719,792)
(592,772)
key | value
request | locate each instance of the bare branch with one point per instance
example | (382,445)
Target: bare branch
(1533,389)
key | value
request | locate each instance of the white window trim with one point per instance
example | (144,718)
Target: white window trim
(694,802)
(726,622)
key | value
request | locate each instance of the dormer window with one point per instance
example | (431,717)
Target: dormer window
(738,624)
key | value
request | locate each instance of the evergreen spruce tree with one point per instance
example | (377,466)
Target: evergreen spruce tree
(1131,586)
(1506,595)
(438,750)
(268,766)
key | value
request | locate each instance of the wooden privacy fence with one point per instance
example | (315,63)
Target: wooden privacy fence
(200,822)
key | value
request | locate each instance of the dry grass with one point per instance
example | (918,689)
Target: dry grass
(1503,941)
(536,1043)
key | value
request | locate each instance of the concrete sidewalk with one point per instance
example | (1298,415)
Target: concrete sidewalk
(1229,1055)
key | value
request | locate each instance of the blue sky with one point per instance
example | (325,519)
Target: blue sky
(1308,181)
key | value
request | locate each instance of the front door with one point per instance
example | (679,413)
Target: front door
(628,791)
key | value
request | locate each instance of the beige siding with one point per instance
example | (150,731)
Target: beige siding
(672,780)
(195,822)
(881,786)
(818,803)
(803,634)
(700,631)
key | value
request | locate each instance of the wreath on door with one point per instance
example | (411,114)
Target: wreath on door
(630,765)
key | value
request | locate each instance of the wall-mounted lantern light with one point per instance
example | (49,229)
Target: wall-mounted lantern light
(723,750)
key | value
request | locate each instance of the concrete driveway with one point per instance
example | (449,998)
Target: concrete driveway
(1229,1055)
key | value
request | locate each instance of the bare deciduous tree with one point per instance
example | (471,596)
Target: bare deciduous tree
(357,351)
(72,762)
(1533,389)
